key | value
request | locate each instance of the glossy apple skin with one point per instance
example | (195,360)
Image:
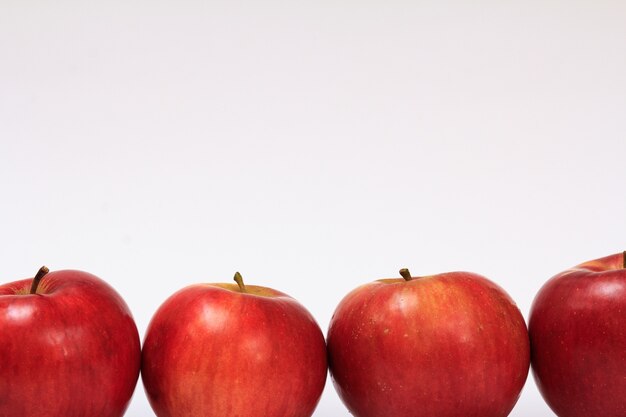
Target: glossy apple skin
(578,338)
(215,352)
(70,350)
(447,345)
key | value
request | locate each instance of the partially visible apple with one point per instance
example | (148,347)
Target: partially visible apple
(68,347)
(448,345)
(231,350)
(578,339)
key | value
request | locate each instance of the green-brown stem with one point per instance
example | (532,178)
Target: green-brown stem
(239,280)
(404,272)
(40,274)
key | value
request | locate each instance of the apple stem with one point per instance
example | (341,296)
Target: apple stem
(624,260)
(406,274)
(239,280)
(40,274)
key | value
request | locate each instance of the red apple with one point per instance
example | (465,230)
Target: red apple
(217,350)
(578,339)
(447,345)
(68,347)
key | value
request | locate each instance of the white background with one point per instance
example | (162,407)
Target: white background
(313,146)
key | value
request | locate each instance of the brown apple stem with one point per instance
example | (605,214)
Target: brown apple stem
(624,259)
(40,274)
(406,274)
(239,280)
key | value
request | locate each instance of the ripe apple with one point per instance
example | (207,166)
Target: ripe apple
(68,347)
(578,339)
(216,350)
(446,345)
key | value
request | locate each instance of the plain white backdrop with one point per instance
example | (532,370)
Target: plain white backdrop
(313,146)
